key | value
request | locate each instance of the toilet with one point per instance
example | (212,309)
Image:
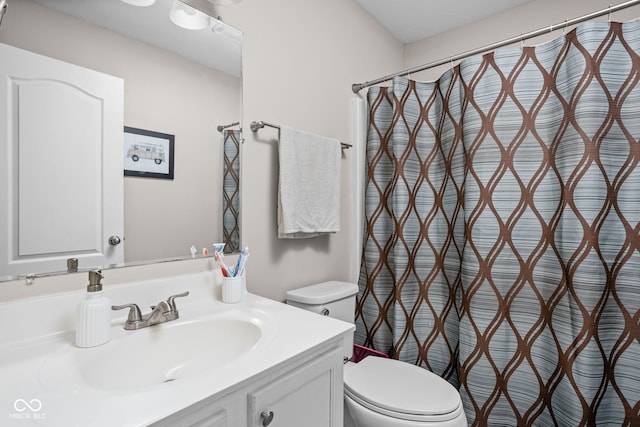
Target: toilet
(380,392)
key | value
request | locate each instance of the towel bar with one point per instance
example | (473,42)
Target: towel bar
(259,125)
(223,127)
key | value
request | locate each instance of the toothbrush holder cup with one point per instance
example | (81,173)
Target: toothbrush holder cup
(233,289)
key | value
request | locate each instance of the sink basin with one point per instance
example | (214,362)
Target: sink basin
(152,356)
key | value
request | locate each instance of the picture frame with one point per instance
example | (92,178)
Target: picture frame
(148,154)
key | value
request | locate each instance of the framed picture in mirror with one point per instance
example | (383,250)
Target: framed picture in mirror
(148,154)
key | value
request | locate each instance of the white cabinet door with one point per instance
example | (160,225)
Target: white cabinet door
(306,391)
(61,131)
(225,412)
(217,419)
(310,396)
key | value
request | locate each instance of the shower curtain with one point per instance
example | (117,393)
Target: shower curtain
(231,190)
(502,240)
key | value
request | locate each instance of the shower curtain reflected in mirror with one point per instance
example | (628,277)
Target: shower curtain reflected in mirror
(502,241)
(231,190)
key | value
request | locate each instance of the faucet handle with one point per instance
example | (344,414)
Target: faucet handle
(134,312)
(172,303)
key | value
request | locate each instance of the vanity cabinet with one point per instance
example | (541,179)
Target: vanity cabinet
(306,390)
(221,413)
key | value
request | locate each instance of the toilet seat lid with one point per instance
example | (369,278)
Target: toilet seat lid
(401,389)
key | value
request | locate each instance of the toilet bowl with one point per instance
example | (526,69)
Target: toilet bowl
(386,392)
(381,392)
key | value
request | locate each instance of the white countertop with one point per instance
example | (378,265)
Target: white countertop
(34,329)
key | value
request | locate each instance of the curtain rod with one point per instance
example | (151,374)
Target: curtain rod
(357,87)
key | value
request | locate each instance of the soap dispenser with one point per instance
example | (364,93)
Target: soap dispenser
(93,316)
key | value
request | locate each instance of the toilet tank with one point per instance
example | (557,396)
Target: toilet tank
(334,299)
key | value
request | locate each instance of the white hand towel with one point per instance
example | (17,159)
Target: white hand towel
(309,184)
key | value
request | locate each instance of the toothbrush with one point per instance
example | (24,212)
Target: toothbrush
(223,266)
(242,260)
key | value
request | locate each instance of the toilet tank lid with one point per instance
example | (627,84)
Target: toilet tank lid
(323,293)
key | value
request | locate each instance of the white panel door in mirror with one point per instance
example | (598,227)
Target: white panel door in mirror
(63,179)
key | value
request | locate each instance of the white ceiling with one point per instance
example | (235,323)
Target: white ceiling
(407,20)
(413,20)
(216,46)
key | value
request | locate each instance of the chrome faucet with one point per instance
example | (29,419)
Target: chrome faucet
(165,311)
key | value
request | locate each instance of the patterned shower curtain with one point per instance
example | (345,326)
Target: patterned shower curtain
(231,191)
(502,241)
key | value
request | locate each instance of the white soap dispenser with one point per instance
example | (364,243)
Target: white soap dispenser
(93,316)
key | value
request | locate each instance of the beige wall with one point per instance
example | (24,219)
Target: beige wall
(163,93)
(300,59)
(523,19)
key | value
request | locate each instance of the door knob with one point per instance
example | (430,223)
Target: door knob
(114,240)
(266,417)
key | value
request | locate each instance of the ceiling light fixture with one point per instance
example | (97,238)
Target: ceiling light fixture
(226,30)
(188,17)
(141,3)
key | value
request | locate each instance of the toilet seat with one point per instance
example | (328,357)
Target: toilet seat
(401,390)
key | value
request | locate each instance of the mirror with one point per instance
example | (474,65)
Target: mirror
(186,83)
